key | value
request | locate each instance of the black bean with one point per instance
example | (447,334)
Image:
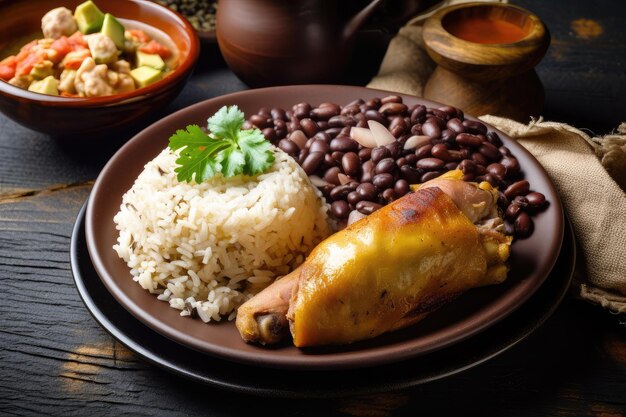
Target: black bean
(431,175)
(260,121)
(351,164)
(496,169)
(323,136)
(494,139)
(536,200)
(416,129)
(517,188)
(467,166)
(367,191)
(379,153)
(418,115)
(332,175)
(398,126)
(431,128)
(319,145)
(469,140)
(401,187)
(391,99)
(423,151)
(289,147)
(325,113)
(367,207)
(480,159)
(392,108)
(278,114)
(505,151)
(350,110)
(329,161)
(448,136)
(389,195)
(395,148)
(365,154)
(341,121)
(440,115)
(270,134)
(521,201)
(475,127)
(440,151)
(368,170)
(332,132)
(340,209)
(411,159)
(430,164)
(341,191)
(309,127)
(376,116)
(451,166)
(303,154)
(401,161)
(383,181)
(386,165)
(353,197)
(344,144)
(511,164)
(337,156)
(312,162)
(410,174)
(264,112)
(523,225)
(490,151)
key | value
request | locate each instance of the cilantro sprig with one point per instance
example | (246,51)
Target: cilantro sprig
(226,149)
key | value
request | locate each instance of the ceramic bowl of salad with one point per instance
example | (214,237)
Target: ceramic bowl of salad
(80,69)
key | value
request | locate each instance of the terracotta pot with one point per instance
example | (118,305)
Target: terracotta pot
(271,42)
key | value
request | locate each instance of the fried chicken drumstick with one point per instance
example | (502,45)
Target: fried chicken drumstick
(386,271)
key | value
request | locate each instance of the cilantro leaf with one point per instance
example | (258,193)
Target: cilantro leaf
(256,151)
(227,150)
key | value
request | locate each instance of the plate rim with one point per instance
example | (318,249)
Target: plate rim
(324,361)
(411,380)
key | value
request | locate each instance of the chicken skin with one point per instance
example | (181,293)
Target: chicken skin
(386,271)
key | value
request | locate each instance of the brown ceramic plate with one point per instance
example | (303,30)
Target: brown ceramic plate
(531,259)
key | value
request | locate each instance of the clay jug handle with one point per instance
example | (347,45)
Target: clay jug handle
(357,21)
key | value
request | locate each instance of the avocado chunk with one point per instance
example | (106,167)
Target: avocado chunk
(41,70)
(113,29)
(150,60)
(145,76)
(88,17)
(48,85)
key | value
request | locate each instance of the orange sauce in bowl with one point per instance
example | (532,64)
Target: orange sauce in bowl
(479,29)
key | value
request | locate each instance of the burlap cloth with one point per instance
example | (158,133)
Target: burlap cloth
(587,171)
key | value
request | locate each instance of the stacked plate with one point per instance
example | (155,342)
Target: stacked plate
(477,326)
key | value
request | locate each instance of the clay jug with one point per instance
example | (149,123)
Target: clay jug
(279,42)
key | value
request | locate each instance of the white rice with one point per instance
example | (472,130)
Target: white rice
(215,244)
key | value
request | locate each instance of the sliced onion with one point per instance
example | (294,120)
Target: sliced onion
(355,216)
(344,179)
(363,136)
(317,181)
(382,136)
(415,142)
(299,138)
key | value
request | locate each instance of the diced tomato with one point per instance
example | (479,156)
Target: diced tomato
(62,46)
(77,42)
(25,51)
(26,65)
(66,94)
(153,47)
(140,35)
(7,68)
(74,59)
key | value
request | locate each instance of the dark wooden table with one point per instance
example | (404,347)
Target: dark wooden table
(56,360)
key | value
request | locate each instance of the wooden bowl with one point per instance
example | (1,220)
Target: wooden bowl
(87,118)
(486,53)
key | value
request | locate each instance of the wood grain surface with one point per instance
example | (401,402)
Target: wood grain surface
(56,360)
